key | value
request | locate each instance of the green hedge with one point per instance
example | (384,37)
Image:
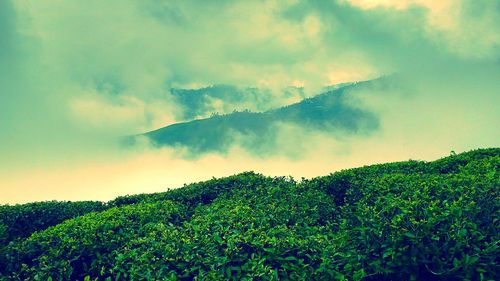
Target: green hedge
(86,245)
(20,221)
(198,193)
(399,221)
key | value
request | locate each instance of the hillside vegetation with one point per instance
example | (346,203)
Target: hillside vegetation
(410,220)
(332,112)
(224,99)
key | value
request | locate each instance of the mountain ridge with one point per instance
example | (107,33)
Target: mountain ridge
(330,112)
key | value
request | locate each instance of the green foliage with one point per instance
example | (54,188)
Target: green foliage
(4,233)
(422,226)
(199,193)
(399,221)
(233,237)
(87,245)
(438,222)
(455,162)
(20,221)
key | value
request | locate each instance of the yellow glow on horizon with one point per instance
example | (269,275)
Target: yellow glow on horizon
(157,170)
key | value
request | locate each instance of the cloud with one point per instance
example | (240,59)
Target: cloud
(76,76)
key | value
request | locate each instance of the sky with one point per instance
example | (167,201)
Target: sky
(76,76)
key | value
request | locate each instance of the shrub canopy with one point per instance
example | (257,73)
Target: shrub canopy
(410,220)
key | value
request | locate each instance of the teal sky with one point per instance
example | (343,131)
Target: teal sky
(77,75)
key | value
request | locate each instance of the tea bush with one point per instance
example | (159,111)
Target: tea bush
(411,220)
(198,193)
(22,220)
(86,245)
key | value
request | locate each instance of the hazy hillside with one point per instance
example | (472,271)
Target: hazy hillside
(224,99)
(331,112)
(410,220)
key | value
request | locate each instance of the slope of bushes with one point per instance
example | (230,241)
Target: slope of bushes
(86,245)
(410,220)
(198,193)
(20,221)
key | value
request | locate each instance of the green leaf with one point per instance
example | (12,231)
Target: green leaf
(410,235)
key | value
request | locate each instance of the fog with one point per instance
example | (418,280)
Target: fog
(77,77)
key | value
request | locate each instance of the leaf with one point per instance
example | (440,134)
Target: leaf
(269,250)
(410,235)
(275,273)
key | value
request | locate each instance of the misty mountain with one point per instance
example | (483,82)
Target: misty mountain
(224,99)
(332,112)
